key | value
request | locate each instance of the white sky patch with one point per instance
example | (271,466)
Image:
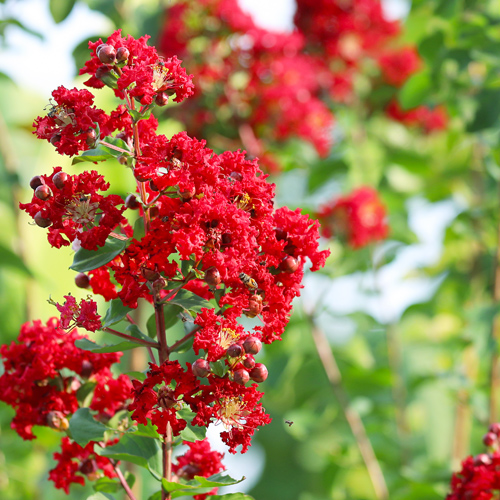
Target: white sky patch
(274,15)
(396,9)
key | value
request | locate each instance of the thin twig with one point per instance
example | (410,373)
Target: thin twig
(123,482)
(353,419)
(116,148)
(147,343)
(495,335)
(175,345)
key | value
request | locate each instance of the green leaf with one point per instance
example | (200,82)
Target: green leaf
(60,10)
(488,110)
(139,450)
(415,90)
(184,346)
(106,485)
(88,345)
(9,259)
(219,368)
(139,231)
(135,331)
(85,393)
(100,495)
(116,312)
(231,496)
(146,431)
(191,433)
(155,496)
(198,485)
(170,313)
(189,301)
(87,260)
(100,153)
(85,428)
(217,480)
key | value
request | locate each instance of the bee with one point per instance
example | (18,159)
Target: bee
(250,283)
(289,422)
(60,114)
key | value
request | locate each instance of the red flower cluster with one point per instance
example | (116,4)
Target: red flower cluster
(360,217)
(199,460)
(36,383)
(74,463)
(73,210)
(83,314)
(70,124)
(131,66)
(279,84)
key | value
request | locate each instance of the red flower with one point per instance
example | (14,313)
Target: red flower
(359,216)
(83,314)
(397,66)
(429,119)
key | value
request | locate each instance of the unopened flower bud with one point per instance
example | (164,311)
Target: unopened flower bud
(289,264)
(122,54)
(290,249)
(241,376)
(159,284)
(88,467)
(187,194)
(259,373)
(82,280)
(252,345)
(226,240)
(254,306)
(106,53)
(149,274)
(91,138)
(57,420)
(281,234)
(212,276)
(201,368)
(249,362)
(166,397)
(41,221)
(153,186)
(131,202)
(60,179)
(236,176)
(153,212)
(161,99)
(482,459)
(36,181)
(122,160)
(234,351)
(495,428)
(87,369)
(55,139)
(489,439)
(43,192)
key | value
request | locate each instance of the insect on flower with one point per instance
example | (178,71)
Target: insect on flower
(249,282)
(61,115)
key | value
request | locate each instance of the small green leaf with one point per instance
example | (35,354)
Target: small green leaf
(155,496)
(219,368)
(190,301)
(87,260)
(191,433)
(141,376)
(415,90)
(93,156)
(170,313)
(231,496)
(217,480)
(88,345)
(106,485)
(85,393)
(61,10)
(85,428)
(139,230)
(146,431)
(142,451)
(135,331)
(116,312)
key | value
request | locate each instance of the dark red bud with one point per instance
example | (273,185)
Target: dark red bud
(106,53)
(249,362)
(234,351)
(161,99)
(290,249)
(236,176)
(159,284)
(41,221)
(131,202)
(495,428)
(201,368)
(60,179)
(259,373)
(149,274)
(153,212)
(214,223)
(187,194)
(226,239)
(482,459)
(87,368)
(153,186)
(490,439)
(91,138)
(43,192)
(55,139)
(36,181)
(241,376)
(88,467)
(289,264)
(252,345)
(281,234)
(82,280)
(212,276)
(122,54)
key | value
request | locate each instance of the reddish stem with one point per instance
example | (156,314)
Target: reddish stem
(123,482)
(147,343)
(116,148)
(175,345)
